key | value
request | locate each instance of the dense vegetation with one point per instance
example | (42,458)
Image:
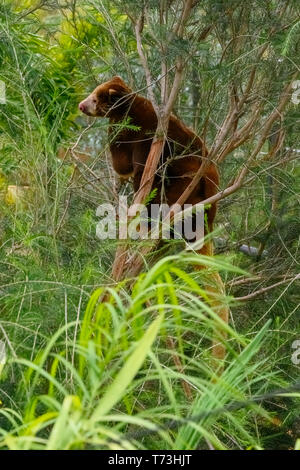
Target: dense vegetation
(83,374)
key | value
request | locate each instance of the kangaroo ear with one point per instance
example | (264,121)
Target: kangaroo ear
(118,86)
(114,95)
(116,92)
(112,92)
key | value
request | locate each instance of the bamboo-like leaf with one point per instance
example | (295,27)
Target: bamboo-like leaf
(116,390)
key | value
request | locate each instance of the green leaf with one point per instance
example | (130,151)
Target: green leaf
(117,389)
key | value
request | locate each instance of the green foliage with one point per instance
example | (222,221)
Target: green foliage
(82,392)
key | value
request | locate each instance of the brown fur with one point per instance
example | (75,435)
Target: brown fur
(182,153)
(182,156)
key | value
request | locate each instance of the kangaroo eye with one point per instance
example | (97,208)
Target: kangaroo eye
(94,101)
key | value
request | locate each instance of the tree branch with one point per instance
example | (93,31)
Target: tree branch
(266,289)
